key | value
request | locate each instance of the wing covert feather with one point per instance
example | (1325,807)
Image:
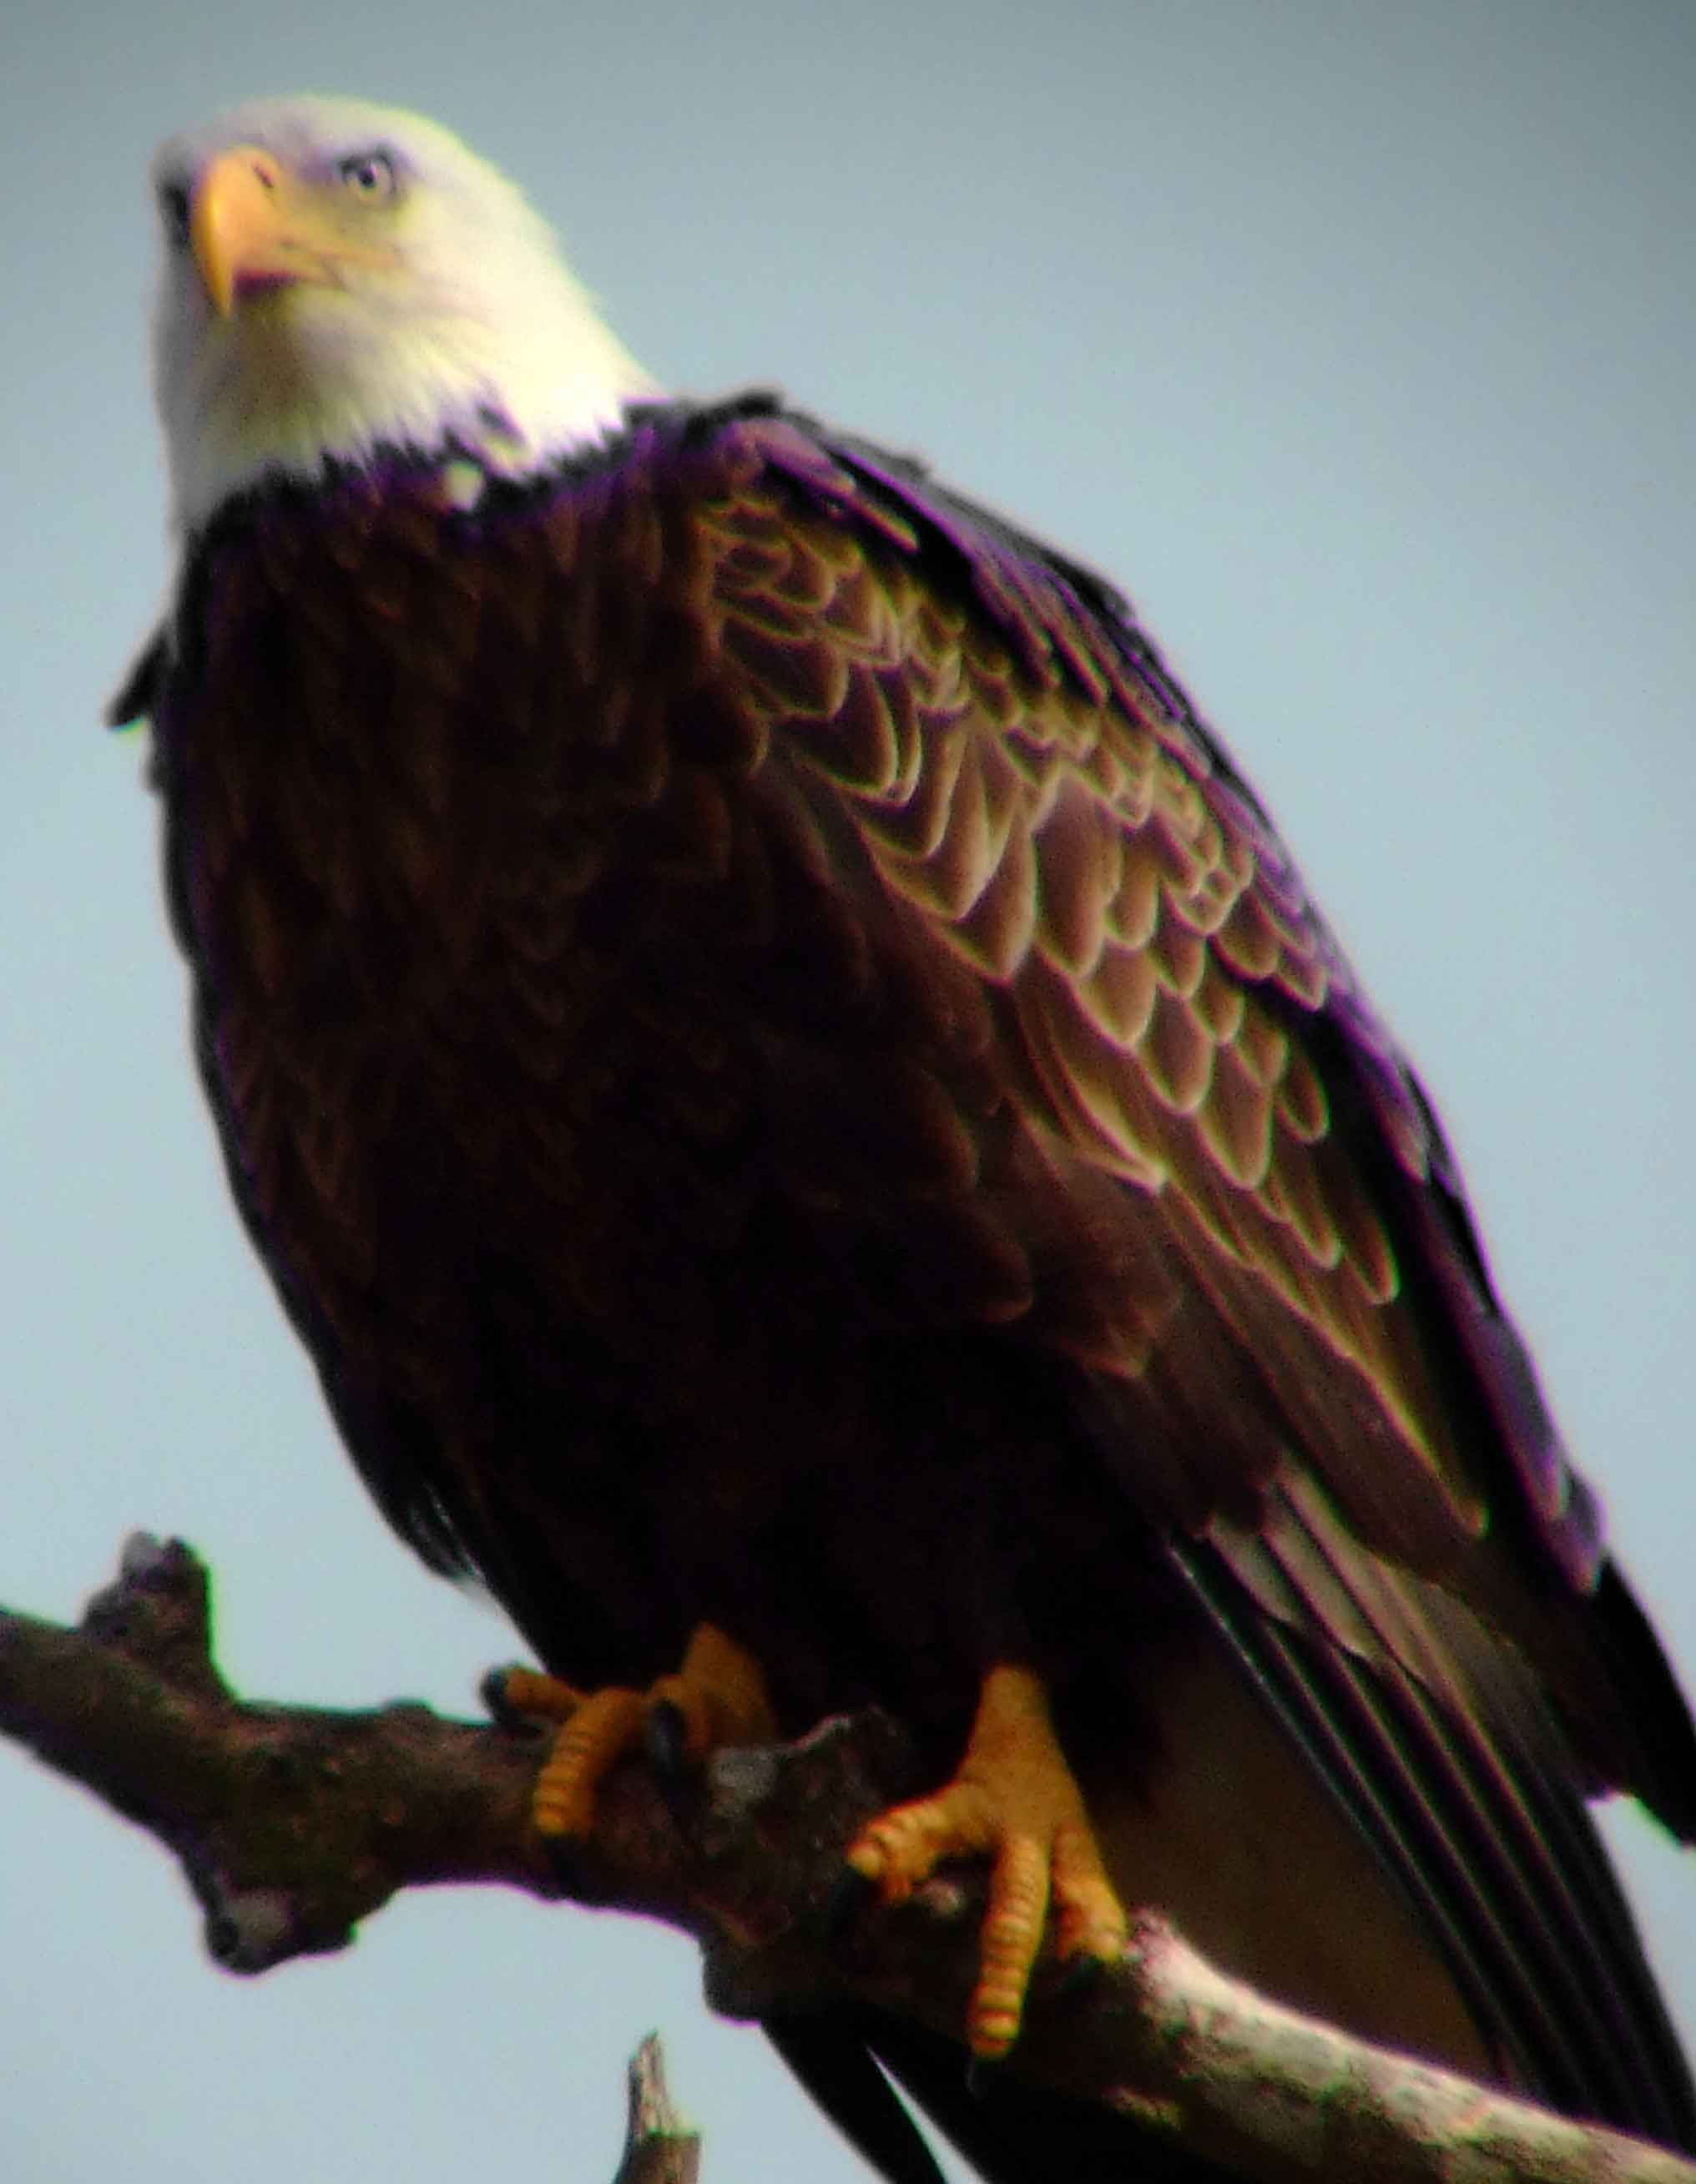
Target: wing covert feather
(1233,1204)
(1022,777)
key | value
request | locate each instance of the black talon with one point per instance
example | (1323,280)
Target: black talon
(1079,1974)
(983,2076)
(665,1737)
(493,1691)
(851,1892)
(562,1852)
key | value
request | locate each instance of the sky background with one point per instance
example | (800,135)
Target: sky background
(1357,343)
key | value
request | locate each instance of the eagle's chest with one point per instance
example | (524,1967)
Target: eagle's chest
(462,941)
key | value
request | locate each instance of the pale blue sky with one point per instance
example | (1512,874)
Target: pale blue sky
(1356,341)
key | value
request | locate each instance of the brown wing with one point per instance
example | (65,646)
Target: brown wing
(1213,1181)
(1175,1011)
(1204,1173)
(1071,841)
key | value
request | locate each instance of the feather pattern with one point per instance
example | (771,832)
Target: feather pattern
(785,1079)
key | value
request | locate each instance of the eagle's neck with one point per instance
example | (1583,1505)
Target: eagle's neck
(284,394)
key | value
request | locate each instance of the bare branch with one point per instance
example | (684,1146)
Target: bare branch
(292,1825)
(657,2150)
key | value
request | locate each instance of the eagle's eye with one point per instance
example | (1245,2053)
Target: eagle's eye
(174,214)
(370,176)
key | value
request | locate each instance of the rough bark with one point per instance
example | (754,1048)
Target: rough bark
(657,2148)
(292,1825)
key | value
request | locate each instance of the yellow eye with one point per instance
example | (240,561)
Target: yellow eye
(370,176)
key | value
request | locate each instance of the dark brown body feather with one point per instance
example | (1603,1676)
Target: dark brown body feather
(784,1080)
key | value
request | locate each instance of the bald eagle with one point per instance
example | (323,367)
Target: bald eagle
(820,1148)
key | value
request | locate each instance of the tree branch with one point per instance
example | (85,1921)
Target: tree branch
(657,2150)
(292,1825)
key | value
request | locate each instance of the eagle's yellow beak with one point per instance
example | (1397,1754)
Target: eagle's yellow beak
(253,225)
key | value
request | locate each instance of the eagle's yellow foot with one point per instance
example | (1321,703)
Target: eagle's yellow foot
(717,1697)
(1015,1799)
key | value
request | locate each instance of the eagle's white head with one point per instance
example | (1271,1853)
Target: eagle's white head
(340,277)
